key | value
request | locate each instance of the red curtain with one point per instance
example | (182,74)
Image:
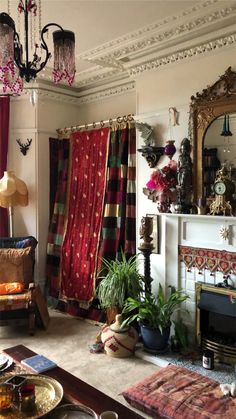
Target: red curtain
(4,132)
(85,208)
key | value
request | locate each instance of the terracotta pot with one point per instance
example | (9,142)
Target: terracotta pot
(111,313)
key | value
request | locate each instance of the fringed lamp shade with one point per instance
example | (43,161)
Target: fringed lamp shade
(13,191)
(64,56)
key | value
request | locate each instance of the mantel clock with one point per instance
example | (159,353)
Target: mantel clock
(223,188)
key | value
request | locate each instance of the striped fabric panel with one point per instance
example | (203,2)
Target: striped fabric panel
(119,222)
(59,162)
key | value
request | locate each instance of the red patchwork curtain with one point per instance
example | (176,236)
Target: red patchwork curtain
(85,211)
(4,133)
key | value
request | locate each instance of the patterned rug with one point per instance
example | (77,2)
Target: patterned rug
(222,373)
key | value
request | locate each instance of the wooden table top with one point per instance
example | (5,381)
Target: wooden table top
(76,390)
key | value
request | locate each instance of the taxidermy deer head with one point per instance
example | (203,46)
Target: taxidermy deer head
(24,147)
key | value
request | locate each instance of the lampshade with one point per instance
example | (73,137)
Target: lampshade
(13,191)
(64,56)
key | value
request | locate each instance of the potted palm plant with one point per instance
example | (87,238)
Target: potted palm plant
(154,313)
(121,280)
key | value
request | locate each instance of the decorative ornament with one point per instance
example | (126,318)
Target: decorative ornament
(24,147)
(226,133)
(225,233)
(149,151)
(170,149)
(147,133)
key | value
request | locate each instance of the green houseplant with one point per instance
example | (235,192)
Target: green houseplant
(179,340)
(121,280)
(154,313)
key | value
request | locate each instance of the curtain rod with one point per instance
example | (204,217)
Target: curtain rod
(118,120)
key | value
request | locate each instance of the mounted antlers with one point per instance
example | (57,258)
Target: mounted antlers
(24,147)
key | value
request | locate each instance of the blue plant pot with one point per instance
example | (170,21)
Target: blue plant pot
(153,339)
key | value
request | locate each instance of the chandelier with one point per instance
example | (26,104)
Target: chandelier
(18,65)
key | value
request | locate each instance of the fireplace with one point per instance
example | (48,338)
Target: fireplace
(216,321)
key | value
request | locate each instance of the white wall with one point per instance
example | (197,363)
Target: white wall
(157,91)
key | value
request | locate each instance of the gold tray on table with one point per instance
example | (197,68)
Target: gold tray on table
(48,394)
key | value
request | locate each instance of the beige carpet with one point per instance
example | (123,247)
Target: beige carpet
(66,342)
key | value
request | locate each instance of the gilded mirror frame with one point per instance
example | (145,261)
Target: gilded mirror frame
(205,107)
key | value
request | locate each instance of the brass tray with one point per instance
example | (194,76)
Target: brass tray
(72,411)
(48,394)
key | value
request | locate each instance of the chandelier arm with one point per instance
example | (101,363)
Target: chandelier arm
(44,45)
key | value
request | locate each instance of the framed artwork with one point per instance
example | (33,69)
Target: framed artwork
(155,233)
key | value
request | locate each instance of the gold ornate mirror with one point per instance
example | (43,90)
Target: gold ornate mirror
(207,112)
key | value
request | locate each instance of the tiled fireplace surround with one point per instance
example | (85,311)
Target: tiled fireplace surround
(186,234)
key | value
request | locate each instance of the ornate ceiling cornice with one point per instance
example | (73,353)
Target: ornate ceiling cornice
(148,31)
(207,26)
(105,93)
(184,54)
(150,38)
(50,92)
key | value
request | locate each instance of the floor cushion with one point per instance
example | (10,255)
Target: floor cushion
(175,392)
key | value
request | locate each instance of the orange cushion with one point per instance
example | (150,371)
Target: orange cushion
(11,288)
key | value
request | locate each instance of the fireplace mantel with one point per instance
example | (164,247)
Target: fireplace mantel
(197,231)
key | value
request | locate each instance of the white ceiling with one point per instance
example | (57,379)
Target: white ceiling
(115,38)
(96,22)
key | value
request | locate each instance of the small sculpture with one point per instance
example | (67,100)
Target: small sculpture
(145,232)
(24,147)
(147,132)
(184,174)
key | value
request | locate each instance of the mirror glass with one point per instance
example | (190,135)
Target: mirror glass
(219,149)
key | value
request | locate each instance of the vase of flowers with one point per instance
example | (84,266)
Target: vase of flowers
(163,185)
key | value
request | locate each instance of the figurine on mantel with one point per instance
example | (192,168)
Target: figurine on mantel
(184,175)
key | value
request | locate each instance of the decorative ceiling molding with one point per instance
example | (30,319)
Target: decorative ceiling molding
(57,94)
(208,26)
(184,54)
(146,30)
(105,93)
(150,38)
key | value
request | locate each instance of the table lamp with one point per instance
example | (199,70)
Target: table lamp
(13,192)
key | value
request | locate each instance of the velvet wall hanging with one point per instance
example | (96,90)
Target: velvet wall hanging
(59,162)
(4,133)
(89,151)
(119,221)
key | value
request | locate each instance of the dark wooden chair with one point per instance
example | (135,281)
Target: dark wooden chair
(17,259)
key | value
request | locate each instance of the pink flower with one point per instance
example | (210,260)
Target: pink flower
(165,179)
(151,184)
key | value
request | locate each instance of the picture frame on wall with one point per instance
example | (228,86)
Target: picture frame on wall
(155,233)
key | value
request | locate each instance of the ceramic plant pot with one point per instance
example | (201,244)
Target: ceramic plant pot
(119,343)
(153,339)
